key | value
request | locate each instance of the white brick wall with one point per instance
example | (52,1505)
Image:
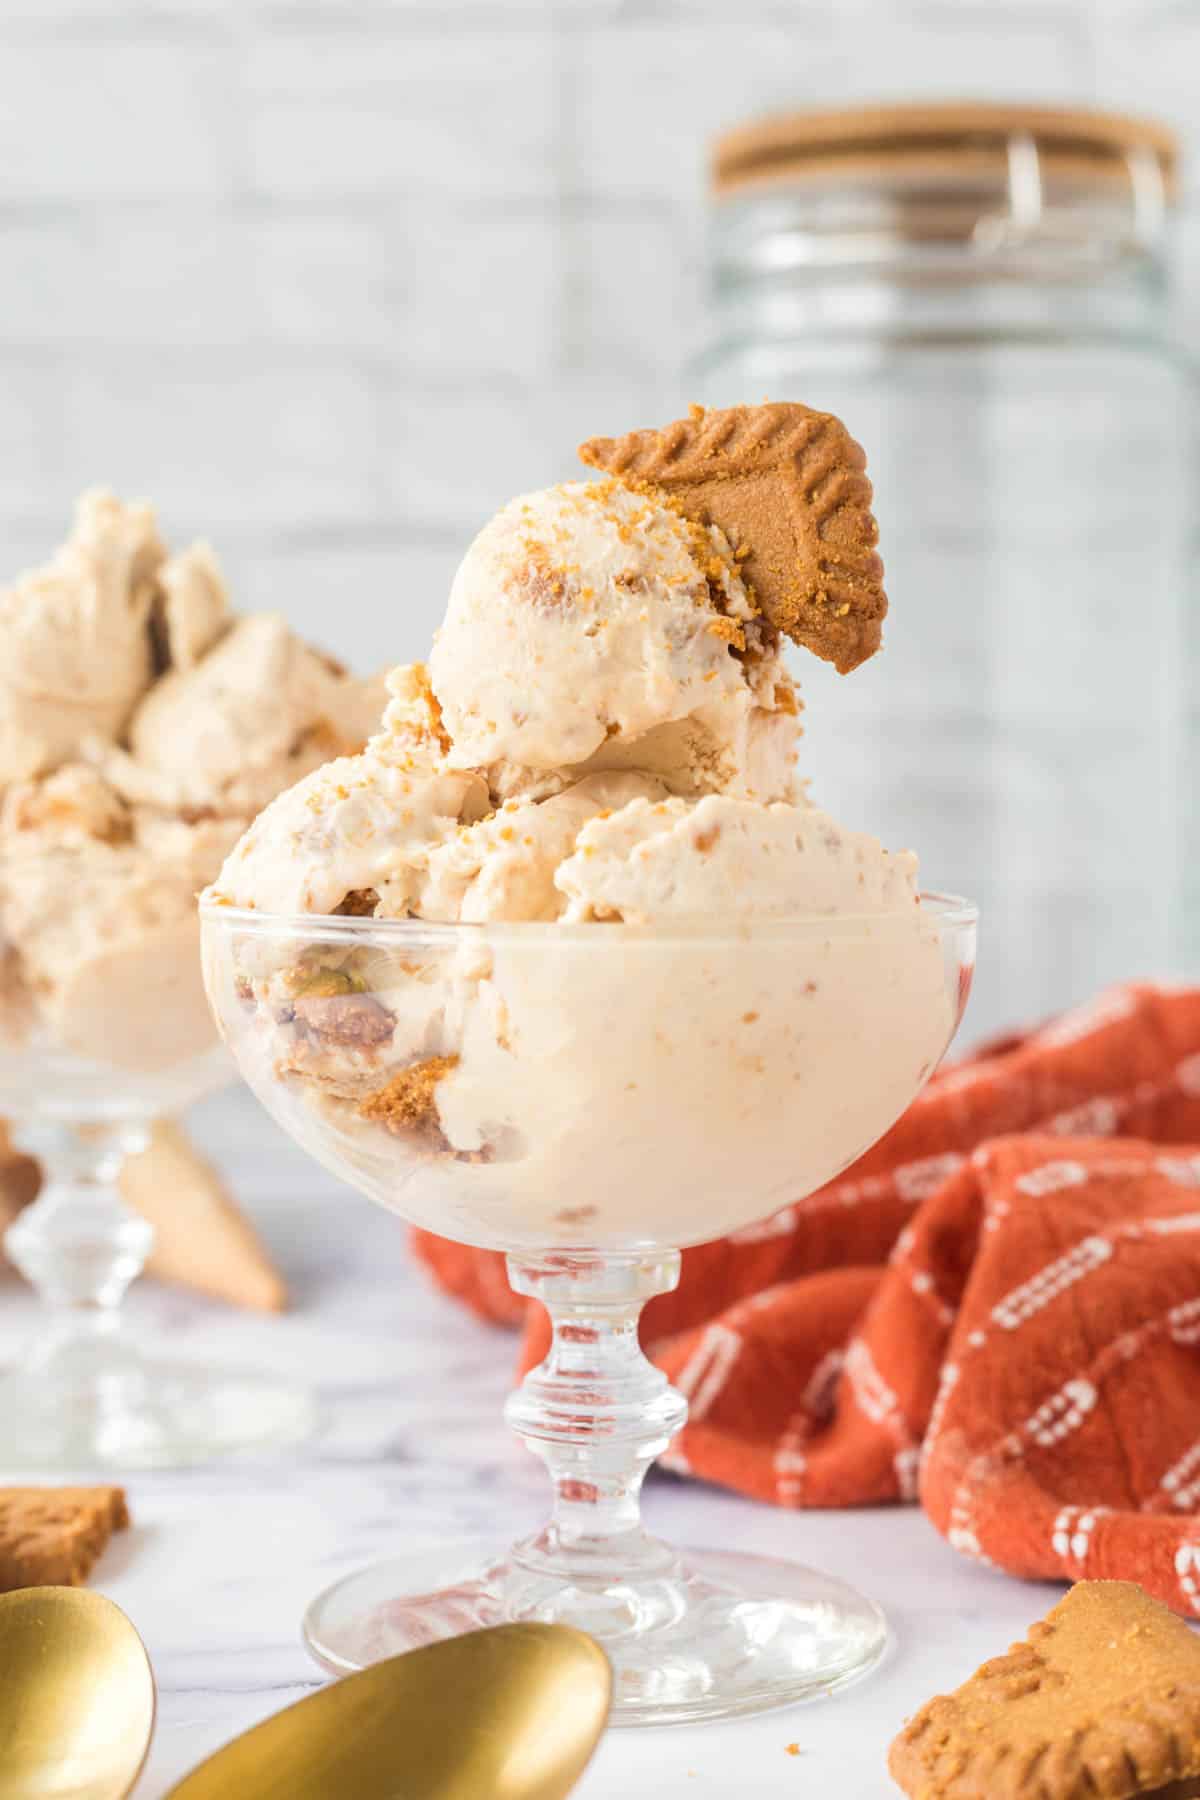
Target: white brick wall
(117,119)
(330,279)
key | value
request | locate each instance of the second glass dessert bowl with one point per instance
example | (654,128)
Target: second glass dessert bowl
(591,1099)
(105,1032)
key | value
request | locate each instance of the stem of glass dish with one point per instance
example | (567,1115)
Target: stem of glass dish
(596,1410)
(79,1245)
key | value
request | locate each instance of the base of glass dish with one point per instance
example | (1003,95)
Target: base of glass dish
(129,1414)
(709,1634)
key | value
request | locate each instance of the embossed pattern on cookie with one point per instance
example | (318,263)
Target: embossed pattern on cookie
(788,487)
(1100,1702)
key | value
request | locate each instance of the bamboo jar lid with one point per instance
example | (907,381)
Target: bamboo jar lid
(947,144)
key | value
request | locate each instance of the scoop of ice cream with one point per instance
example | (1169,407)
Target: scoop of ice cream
(261,709)
(721,858)
(75,650)
(357,827)
(590,626)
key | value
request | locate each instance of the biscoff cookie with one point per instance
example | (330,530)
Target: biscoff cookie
(788,487)
(1101,1701)
(53,1536)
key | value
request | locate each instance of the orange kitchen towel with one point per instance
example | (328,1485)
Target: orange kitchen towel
(996,1310)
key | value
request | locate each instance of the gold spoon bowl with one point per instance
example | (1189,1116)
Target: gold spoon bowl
(511,1713)
(76,1697)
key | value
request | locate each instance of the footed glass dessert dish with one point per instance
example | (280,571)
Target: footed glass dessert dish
(90,1054)
(591,1099)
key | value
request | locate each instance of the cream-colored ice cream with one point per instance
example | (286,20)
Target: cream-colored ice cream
(356,826)
(628,1089)
(508,865)
(97,899)
(75,649)
(142,726)
(590,627)
(604,746)
(193,605)
(730,859)
(230,731)
(412,719)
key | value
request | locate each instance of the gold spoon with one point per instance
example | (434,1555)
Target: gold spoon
(76,1697)
(511,1713)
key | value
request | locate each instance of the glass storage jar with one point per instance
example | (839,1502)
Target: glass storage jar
(979,291)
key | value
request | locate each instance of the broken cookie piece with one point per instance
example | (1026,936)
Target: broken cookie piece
(408,1103)
(53,1537)
(788,487)
(360,903)
(1101,1701)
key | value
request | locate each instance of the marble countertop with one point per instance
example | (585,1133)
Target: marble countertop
(221,1562)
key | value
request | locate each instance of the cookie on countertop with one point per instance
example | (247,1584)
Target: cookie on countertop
(1100,1701)
(788,487)
(53,1536)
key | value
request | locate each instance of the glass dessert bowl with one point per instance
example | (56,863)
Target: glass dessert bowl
(100,1033)
(591,1099)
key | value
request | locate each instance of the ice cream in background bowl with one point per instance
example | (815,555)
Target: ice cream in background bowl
(567,962)
(143,724)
